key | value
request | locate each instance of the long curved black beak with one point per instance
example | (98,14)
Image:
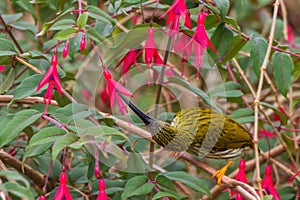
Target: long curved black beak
(145,118)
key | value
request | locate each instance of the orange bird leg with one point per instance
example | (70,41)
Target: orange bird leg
(221,172)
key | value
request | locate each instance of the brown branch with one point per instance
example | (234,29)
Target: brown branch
(28,65)
(37,177)
(28,100)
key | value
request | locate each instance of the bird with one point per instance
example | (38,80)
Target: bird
(201,132)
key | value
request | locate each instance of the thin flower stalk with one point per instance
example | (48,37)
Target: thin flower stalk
(177,10)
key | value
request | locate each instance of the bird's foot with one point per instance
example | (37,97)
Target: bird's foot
(221,172)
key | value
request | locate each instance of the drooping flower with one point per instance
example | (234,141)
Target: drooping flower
(128,60)
(267,183)
(51,77)
(241,176)
(102,193)
(63,191)
(152,56)
(200,34)
(200,42)
(177,10)
(113,89)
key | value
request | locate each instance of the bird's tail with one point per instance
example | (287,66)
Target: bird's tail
(145,118)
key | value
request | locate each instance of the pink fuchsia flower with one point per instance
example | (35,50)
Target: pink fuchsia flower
(152,56)
(51,77)
(267,183)
(128,60)
(63,191)
(200,34)
(241,176)
(102,193)
(177,10)
(113,89)
(200,42)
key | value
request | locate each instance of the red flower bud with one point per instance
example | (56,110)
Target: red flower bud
(54,60)
(107,74)
(42,197)
(97,171)
(82,43)
(63,178)
(65,50)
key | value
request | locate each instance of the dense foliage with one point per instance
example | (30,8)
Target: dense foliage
(67,134)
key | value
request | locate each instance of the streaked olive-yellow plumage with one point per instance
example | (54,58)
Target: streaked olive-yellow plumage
(223,136)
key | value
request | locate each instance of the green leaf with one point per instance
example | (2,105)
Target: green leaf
(5,53)
(17,190)
(65,34)
(222,40)
(166,185)
(11,18)
(227,89)
(103,131)
(63,24)
(20,121)
(15,176)
(188,180)
(196,90)
(27,87)
(257,53)
(7,81)
(94,35)
(7,45)
(223,5)
(25,26)
(82,20)
(243,115)
(160,195)
(283,117)
(97,13)
(62,143)
(27,6)
(283,67)
(137,185)
(45,135)
(48,25)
